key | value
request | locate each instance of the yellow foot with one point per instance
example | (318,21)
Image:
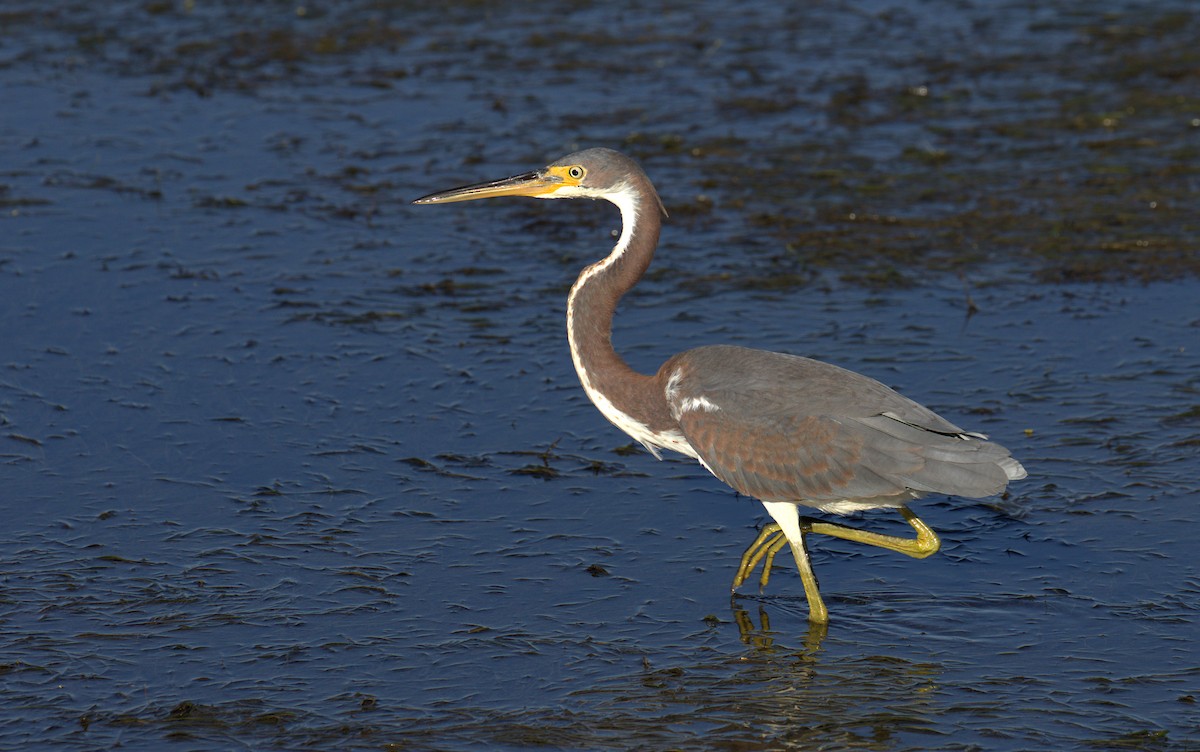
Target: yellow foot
(771,540)
(768,543)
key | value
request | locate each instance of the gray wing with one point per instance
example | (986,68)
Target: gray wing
(782,428)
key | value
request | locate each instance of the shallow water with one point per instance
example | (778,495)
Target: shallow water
(288,463)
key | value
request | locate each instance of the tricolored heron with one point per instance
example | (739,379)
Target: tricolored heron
(786,430)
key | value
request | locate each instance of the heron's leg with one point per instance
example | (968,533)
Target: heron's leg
(788,530)
(925,544)
(817,613)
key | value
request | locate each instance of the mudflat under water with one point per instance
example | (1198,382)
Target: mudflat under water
(286,463)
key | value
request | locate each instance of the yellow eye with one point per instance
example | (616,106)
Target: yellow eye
(576,172)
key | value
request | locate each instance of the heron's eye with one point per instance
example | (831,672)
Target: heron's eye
(576,172)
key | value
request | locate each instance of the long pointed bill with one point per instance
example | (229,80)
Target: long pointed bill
(535,183)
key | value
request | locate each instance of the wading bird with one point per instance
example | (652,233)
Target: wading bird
(786,430)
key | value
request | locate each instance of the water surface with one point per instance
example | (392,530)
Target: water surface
(288,463)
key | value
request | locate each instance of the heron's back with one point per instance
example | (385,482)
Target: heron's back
(785,428)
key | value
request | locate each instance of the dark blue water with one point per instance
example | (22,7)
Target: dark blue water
(287,463)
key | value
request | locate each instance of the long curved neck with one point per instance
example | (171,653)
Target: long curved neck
(606,377)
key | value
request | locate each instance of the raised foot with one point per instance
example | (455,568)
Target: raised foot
(925,544)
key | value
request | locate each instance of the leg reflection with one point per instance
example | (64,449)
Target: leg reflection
(763,637)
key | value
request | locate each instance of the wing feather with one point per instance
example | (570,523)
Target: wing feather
(782,428)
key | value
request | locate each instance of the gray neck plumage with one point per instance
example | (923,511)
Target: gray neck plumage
(594,296)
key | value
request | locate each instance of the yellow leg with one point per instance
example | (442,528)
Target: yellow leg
(817,613)
(925,544)
(771,540)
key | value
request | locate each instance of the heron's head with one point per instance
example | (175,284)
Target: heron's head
(592,173)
